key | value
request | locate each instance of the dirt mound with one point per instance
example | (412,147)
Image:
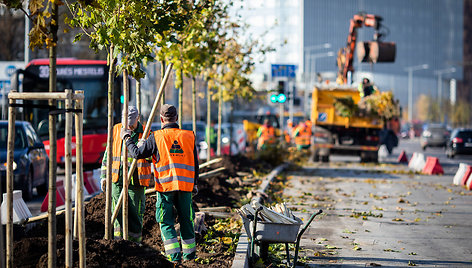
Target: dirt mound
(31,248)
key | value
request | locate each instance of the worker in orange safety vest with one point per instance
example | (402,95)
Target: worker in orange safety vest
(302,135)
(139,181)
(175,160)
(265,135)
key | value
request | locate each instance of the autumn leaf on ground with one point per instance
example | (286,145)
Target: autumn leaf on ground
(331,247)
(412,253)
(397,219)
(390,250)
(356,248)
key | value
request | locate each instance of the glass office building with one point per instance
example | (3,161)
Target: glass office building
(425,32)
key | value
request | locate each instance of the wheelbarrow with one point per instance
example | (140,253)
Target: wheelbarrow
(262,234)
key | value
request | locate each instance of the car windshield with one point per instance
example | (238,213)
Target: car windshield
(20,140)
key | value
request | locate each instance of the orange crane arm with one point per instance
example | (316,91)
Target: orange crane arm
(346,54)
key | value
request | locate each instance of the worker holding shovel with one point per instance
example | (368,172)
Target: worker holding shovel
(140,179)
(175,161)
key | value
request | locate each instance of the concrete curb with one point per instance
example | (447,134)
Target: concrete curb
(241,258)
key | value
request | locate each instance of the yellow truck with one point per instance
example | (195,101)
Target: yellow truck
(349,132)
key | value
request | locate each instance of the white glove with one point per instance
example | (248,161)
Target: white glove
(103,184)
(141,142)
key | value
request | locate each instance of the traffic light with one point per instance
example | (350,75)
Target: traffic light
(280,95)
(281,87)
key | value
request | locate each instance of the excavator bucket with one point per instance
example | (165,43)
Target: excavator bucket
(376,52)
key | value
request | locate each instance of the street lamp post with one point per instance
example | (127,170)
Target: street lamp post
(410,71)
(312,73)
(306,73)
(439,73)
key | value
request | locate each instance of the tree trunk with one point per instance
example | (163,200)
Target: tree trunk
(194,105)
(220,115)
(231,128)
(79,197)
(138,95)
(181,97)
(68,181)
(52,230)
(111,76)
(124,158)
(208,132)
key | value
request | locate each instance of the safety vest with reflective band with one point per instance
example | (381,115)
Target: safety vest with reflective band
(267,135)
(144,167)
(303,136)
(175,170)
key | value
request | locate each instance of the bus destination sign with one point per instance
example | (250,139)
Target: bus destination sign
(73,71)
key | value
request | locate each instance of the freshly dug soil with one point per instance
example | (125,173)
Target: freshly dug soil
(30,249)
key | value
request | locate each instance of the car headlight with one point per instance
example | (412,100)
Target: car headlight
(225,140)
(4,166)
(427,134)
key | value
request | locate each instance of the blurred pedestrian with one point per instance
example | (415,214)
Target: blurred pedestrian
(139,181)
(265,135)
(175,161)
(302,135)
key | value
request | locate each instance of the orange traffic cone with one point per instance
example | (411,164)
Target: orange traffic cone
(402,158)
(432,166)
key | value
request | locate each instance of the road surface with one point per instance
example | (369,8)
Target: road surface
(383,214)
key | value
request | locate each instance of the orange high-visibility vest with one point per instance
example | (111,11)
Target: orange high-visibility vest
(175,170)
(144,167)
(304,135)
(267,136)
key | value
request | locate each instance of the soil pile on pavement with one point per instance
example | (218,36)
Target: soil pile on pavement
(31,248)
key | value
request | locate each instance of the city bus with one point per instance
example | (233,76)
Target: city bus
(91,76)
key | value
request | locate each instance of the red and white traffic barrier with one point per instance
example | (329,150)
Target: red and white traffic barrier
(432,166)
(460,174)
(417,162)
(20,209)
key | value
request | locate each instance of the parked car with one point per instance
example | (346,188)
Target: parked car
(460,142)
(30,161)
(434,135)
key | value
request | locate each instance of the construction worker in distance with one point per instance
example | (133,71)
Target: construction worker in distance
(139,181)
(175,160)
(302,135)
(265,135)
(366,88)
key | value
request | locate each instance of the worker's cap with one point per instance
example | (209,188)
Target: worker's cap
(168,111)
(133,115)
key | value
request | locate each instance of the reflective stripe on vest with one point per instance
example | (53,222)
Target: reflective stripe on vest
(143,166)
(175,170)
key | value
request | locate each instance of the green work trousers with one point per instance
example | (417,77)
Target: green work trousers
(136,206)
(165,217)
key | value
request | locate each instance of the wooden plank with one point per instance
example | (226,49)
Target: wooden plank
(43,96)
